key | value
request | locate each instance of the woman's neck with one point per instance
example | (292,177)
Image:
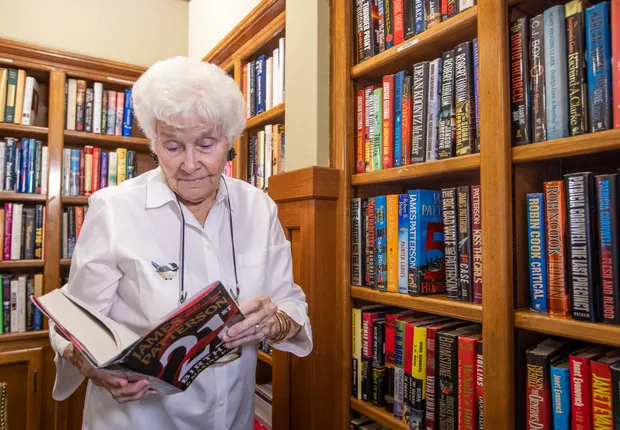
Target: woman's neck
(200,210)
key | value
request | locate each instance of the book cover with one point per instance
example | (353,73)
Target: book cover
(387,146)
(403,243)
(581,383)
(399,23)
(465,244)
(357,246)
(537,79)
(560,400)
(369,242)
(537,252)
(377,126)
(407,108)
(556,80)
(388,23)
(380,244)
(397,149)
(419,113)
(450,236)
(476,242)
(447,115)
(464,100)
(519,82)
(434,105)
(576,67)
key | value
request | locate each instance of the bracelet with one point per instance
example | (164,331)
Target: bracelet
(284,325)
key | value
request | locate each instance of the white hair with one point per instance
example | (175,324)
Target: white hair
(172,90)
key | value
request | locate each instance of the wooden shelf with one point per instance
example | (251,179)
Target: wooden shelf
(8,196)
(428,45)
(18,130)
(567,327)
(74,200)
(65,262)
(438,304)
(265,358)
(568,147)
(377,414)
(105,140)
(27,335)
(274,115)
(427,169)
(20,264)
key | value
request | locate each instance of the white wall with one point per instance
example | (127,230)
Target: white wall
(211,20)
(131,31)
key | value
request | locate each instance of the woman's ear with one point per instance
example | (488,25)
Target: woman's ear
(231,154)
(154,157)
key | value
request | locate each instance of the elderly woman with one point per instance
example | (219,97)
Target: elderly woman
(152,242)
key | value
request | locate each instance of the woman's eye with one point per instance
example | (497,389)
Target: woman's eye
(206,143)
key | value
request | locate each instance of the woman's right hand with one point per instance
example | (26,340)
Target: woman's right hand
(119,387)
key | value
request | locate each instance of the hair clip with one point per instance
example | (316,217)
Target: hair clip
(230,156)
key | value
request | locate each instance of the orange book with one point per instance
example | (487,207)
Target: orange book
(391,207)
(95,173)
(559,304)
(88,170)
(388,122)
(79,220)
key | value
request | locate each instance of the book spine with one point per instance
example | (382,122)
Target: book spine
(390,360)
(538,392)
(577,109)
(104,112)
(414,287)
(476,235)
(476,67)
(409,16)
(377,151)
(431,379)
(409,381)
(581,391)
(406,121)
(369,99)
(450,234)
(537,256)
(359,21)
(260,84)
(448,382)
(389,23)
(583,279)
(369,242)
(420,22)
(434,96)
(420,106)
(399,370)
(418,374)
(369,15)
(447,116)
(519,82)
(380,5)
(607,201)
(480,384)
(381,243)
(403,243)
(80,104)
(537,79)
(433,13)
(556,84)
(391,221)
(356,352)
(464,226)
(378,363)
(399,23)
(560,386)
(430,273)
(88,120)
(467,383)
(397,149)
(357,252)
(602,396)
(464,99)
(451,9)
(388,122)
(555,212)
(128,113)
(598,45)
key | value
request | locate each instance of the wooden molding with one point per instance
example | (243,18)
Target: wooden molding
(258,18)
(315,182)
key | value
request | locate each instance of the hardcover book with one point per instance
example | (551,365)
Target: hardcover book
(519,82)
(537,79)
(536,246)
(450,236)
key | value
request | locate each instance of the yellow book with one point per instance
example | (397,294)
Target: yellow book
(88,170)
(391,227)
(121,166)
(3,76)
(19,96)
(356,351)
(418,370)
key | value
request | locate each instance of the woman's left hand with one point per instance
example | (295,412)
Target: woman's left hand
(260,322)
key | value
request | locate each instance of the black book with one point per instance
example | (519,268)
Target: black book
(29,228)
(418,116)
(370,18)
(519,82)
(447,114)
(38,225)
(359,26)
(583,259)
(464,243)
(88,120)
(369,242)
(450,236)
(357,244)
(576,68)
(607,215)
(408,14)
(537,79)
(451,9)
(464,100)
(378,362)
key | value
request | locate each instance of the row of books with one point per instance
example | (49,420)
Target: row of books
(264,346)
(87,170)
(421,243)
(265,155)
(72,220)
(572,384)
(362,422)
(95,110)
(428,115)
(573,248)
(382,24)
(23,165)
(17,313)
(22,231)
(19,98)
(263,81)
(424,369)
(562,80)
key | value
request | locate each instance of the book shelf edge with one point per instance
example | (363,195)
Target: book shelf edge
(379,415)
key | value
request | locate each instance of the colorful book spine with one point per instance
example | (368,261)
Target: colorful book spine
(598,46)
(369,241)
(357,234)
(465,254)
(419,114)
(434,104)
(480,383)
(360,141)
(537,79)
(391,221)
(369,122)
(577,109)
(403,243)
(519,82)
(464,100)
(560,387)
(399,370)
(615,67)
(556,83)
(467,381)
(128,113)
(602,393)
(418,375)
(399,23)
(389,24)
(450,235)
(377,151)
(406,121)
(537,256)
(380,6)
(111,122)
(476,67)
(419,13)
(381,243)
(555,212)
(476,242)
(397,150)
(261,80)
(447,115)
(387,146)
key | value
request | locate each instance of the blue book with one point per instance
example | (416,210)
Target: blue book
(426,248)
(560,395)
(103,169)
(418,11)
(556,79)
(537,252)
(9,163)
(127,113)
(598,58)
(398,118)
(74,171)
(403,243)
(32,156)
(24,163)
(380,244)
(260,84)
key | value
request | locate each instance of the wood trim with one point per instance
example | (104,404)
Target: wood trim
(258,18)
(272,30)
(315,182)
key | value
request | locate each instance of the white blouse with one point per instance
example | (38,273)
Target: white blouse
(137,223)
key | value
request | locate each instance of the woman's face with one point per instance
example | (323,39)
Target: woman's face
(192,159)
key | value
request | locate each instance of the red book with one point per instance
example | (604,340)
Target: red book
(360,166)
(95,173)
(408,368)
(476,230)
(406,121)
(367,335)
(581,385)
(399,21)
(555,213)
(602,392)
(388,121)
(8,230)
(467,380)
(81,176)
(615,58)
(479,384)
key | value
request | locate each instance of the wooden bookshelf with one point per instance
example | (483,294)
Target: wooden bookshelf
(7,196)
(75,200)
(23,336)
(275,115)
(20,264)
(104,140)
(438,304)
(18,130)
(265,358)
(377,414)
(65,262)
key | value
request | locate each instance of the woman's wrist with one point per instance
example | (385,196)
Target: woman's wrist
(286,328)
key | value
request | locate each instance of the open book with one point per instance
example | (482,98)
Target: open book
(171,355)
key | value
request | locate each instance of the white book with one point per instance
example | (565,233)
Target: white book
(97,106)
(44,169)
(268,154)
(434,105)
(276,77)
(16,231)
(2,158)
(282,80)
(71,103)
(65,234)
(269,84)
(66,173)
(112,168)
(21,303)
(29,98)
(13,306)
(466,4)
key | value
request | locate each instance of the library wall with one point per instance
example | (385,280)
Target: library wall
(83,26)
